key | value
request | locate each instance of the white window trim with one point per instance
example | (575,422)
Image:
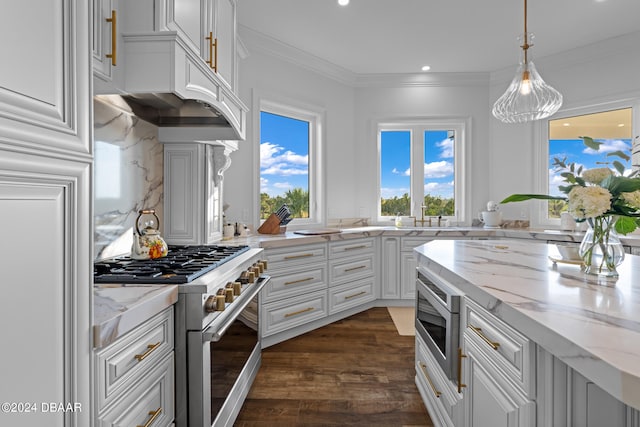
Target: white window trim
(462,168)
(316,118)
(541,136)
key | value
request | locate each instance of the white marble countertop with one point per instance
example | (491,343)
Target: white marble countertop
(120,308)
(593,328)
(291,239)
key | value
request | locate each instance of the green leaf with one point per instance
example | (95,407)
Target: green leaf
(568,176)
(589,142)
(580,170)
(619,167)
(625,225)
(620,184)
(620,154)
(523,197)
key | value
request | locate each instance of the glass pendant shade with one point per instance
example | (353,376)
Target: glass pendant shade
(528,97)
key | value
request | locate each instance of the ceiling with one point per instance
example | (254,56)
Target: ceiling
(400,36)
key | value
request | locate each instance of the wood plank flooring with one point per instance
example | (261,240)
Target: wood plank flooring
(357,371)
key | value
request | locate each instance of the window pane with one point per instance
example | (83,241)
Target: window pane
(395,173)
(439,172)
(612,128)
(284,164)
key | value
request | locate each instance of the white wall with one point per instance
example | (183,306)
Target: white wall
(597,74)
(501,156)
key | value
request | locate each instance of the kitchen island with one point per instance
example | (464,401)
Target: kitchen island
(590,325)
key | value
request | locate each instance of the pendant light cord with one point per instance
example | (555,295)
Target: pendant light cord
(526,45)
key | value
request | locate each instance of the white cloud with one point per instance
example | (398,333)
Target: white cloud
(407,172)
(264,185)
(447,148)
(438,169)
(283,186)
(609,145)
(388,193)
(273,161)
(439,188)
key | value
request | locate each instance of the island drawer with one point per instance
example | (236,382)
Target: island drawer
(511,351)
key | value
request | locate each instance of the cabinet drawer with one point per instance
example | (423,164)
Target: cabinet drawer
(512,352)
(408,243)
(351,295)
(303,280)
(130,357)
(443,401)
(287,257)
(352,268)
(152,397)
(280,316)
(351,248)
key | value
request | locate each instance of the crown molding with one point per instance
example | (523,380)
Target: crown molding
(259,42)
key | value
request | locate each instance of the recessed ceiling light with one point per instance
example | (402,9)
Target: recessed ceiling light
(566,124)
(620,125)
(343,2)
(426,68)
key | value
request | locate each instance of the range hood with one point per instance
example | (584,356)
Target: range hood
(167,84)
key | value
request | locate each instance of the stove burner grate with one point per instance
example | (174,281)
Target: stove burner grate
(182,264)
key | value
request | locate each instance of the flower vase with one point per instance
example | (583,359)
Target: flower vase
(601,250)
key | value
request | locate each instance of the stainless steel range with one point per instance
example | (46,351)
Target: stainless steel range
(217,344)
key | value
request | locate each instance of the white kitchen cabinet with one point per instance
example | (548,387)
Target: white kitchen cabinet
(45,211)
(490,399)
(107,47)
(134,379)
(209,27)
(193,188)
(390,268)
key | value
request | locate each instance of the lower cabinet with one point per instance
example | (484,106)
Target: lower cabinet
(135,376)
(490,399)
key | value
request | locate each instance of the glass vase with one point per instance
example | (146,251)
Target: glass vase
(601,250)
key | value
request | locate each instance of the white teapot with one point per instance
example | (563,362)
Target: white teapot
(147,243)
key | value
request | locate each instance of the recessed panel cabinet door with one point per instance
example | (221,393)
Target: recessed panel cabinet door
(44,80)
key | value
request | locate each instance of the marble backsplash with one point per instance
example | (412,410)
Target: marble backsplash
(128,175)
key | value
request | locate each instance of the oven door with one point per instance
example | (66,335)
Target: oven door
(437,326)
(223,362)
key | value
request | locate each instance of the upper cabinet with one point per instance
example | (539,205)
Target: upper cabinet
(161,53)
(209,26)
(107,47)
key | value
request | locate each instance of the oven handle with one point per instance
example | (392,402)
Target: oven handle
(215,333)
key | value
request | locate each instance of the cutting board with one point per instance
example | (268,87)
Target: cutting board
(318,231)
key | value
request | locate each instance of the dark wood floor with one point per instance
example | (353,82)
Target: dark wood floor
(357,371)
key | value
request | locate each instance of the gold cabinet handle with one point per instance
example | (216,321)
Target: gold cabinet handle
(295,313)
(355,295)
(293,282)
(298,256)
(478,331)
(114,33)
(150,348)
(460,357)
(426,375)
(355,268)
(213,51)
(351,248)
(154,415)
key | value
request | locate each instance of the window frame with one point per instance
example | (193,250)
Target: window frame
(462,172)
(542,164)
(315,116)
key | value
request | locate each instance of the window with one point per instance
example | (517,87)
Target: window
(420,166)
(614,128)
(290,162)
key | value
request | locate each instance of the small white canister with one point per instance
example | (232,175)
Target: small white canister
(228,231)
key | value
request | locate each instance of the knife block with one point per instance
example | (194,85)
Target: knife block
(272,226)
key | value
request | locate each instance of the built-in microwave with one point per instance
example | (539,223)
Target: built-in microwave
(438,319)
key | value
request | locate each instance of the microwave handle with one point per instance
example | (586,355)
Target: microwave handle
(215,333)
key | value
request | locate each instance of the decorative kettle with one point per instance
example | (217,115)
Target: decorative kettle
(147,243)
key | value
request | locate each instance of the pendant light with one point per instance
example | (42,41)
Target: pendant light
(528,97)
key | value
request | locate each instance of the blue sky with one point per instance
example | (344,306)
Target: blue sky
(396,160)
(284,154)
(576,151)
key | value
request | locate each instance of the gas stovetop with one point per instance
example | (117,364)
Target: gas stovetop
(181,265)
